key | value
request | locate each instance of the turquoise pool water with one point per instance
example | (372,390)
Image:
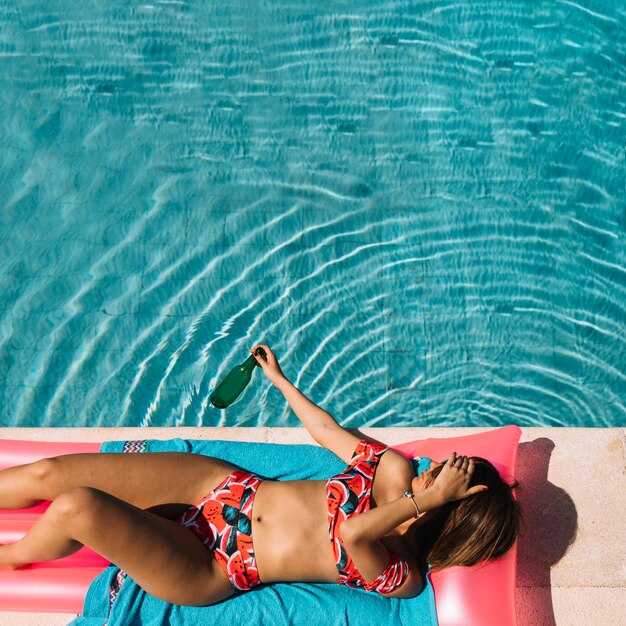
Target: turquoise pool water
(420,205)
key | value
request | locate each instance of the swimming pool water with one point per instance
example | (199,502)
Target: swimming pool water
(420,206)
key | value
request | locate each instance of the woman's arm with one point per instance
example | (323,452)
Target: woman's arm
(321,425)
(361,534)
(370,526)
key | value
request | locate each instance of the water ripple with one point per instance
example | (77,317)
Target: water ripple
(419,205)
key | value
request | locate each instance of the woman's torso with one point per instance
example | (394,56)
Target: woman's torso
(290,532)
(290,526)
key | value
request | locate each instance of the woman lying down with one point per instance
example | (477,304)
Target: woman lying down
(373,526)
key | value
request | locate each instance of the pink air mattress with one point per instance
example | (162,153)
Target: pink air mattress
(57,586)
(478,596)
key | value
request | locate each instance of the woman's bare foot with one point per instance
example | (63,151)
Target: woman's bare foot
(6,560)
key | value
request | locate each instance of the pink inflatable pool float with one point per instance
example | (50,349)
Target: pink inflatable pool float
(477,596)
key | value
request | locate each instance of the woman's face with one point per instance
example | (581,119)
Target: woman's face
(425,479)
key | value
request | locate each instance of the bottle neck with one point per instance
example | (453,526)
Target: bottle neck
(250,363)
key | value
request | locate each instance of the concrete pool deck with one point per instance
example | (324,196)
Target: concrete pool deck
(572,558)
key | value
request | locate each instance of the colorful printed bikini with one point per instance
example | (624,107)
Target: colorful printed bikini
(222,521)
(348,494)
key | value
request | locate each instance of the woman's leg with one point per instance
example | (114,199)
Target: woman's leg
(164,558)
(145,480)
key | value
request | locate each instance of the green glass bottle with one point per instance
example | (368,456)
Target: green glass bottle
(234,383)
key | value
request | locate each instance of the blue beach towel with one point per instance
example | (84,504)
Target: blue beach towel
(275,605)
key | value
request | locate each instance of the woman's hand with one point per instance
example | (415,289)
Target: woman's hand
(268,362)
(454,479)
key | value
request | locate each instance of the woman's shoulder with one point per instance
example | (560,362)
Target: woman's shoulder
(396,468)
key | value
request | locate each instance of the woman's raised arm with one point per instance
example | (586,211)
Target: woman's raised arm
(321,425)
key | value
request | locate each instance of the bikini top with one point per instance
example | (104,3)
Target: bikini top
(348,494)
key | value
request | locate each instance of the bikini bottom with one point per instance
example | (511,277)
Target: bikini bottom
(222,520)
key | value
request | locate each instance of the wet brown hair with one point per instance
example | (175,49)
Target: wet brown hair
(481,527)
